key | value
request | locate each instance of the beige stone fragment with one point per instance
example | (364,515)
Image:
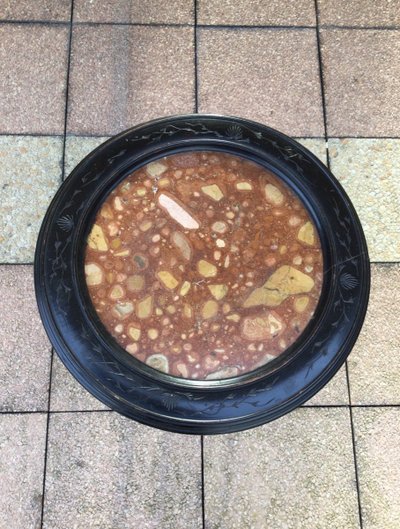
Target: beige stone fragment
(163,182)
(122,253)
(213,191)
(159,362)
(155,169)
(115,243)
(233,317)
(117,292)
(284,282)
(274,195)
(306,234)
(181,242)
(225,372)
(144,307)
(152,334)
(123,310)
(187,311)
(135,283)
(182,369)
(113,228)
(209,309)
(244,186)
(226,308)
(97,240)
(167,279)
(262,327)
(300,304)
(118,204)
(94,274)
(177,212)
(218,291)
(185,288)
(132,348)
(219,226)
(134,332)
(206,269)
(141,191)
(106,212)
(145,225)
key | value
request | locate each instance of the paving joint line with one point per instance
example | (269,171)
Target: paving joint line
(321,80)
(67,93)
(16,264)
(109,134)
(94,23)
(46,445)
(353,440)
(203,509)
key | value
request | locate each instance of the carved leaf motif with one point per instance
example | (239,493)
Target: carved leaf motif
(348,282)
(66,223)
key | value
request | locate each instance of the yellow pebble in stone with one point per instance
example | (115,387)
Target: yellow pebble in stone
(244,186)
(213,191)
(218,291)
(206,269)
(209,309)
(167,279)
(306,234)
(152,334)
(134,333)
(184,288)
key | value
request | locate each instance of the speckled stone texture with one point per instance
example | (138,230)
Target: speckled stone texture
(24,348)
(77,147)
(22,442)
(30,173)
(46,10)
(369,170)
(33,68)
(294,473)
(135,11)
(105,471)
(123,75)
(316,146)
(359,13)
(362,82)
(257,12)
(334,393)
(374,365)
(267,75)
(377,435)
(67,394)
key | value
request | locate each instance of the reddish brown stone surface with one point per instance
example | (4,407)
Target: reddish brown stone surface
(204,265)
